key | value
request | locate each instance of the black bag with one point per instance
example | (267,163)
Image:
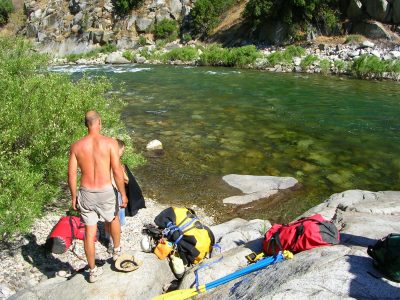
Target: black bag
(386,255)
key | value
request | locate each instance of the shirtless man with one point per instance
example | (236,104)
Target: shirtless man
(96,156)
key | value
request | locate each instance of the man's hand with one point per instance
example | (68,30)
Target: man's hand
(74,203)
(124,202)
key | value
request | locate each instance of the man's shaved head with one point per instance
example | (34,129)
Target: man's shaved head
(91,117)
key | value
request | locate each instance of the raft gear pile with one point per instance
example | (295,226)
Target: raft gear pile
(261,263)
(183,232)
(303,234)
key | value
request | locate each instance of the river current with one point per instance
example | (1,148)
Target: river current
(330,133)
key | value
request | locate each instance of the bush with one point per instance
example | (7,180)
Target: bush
(128,55)
(325,66)
(286,56)
(123,7)
(42,115)
(215,55)
(296,14)
(107,48)
(206,14)
(308,61)
(368,66)
(142,41)
(166,29)
(185,54)
(186,38)
(6,7)
(354,38)
(340,65)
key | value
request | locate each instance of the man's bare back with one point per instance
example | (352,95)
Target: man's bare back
(95,155)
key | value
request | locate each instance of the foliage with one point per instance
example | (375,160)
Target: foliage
(308,61)
(128,55)
(325,66)
(186,37)
(354,38)
(215,55)
(166,29)
(206,14)
(123,7)
(160,44)
(42,115)
(107,48)
(183,54)
(370,66)
(286,56)
(142,41)
(6,7)
(294,13)
(340,65)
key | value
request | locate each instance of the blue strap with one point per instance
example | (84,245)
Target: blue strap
(182,230)
(207,265)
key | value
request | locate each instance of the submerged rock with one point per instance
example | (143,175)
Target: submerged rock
(256,187)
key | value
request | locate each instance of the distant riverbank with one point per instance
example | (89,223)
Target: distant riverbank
(359,59)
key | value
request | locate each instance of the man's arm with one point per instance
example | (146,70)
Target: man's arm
(118,173)
(72,176)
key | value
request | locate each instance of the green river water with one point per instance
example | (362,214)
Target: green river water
(330,133)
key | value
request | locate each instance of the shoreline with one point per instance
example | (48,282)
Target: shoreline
(324,59)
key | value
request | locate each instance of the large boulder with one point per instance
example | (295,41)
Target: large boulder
(275,33)
(354,10)
(371,29)
(144,283)
(396,11)
(256,187)
(378,9)
(143,23)
(116,58)
(176,8)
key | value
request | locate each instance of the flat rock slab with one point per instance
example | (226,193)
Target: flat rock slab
(256,187)
(144,283)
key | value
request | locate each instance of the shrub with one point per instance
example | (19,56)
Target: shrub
(286,56)
(142,41)
(295,13)
(183,54)
(308,61)
(123,7)
(128,55)
(107,48)
(325,66)
(6,7)
(186,37)
(215,55)
(42,115)
(340,65)
(206,14)
(368,66)
(160,44)
(166,29)
(242,56)
(354,38)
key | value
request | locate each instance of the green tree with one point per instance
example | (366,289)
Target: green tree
(42,115)
(206,14)
(166,29)
(295,13)
(6,7)
(122,7)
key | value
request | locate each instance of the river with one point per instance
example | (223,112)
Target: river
(330,133)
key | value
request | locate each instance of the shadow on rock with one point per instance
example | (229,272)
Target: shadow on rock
(368,282)
(356,240)
(38,257)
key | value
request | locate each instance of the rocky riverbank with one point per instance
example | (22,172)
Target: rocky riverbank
(336,272)
(381,61)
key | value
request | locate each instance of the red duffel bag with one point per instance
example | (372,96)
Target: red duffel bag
(300,235)
(63,233)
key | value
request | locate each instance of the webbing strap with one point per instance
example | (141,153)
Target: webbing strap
(207,265)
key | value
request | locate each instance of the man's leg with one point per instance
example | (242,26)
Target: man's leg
(90,237)
(116,231)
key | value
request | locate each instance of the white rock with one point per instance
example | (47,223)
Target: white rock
(296,61)
(154,145)
(395,54)
(368,44)
(376,53)
(116,58)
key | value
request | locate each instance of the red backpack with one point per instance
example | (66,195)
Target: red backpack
(300,235)
(64,232)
